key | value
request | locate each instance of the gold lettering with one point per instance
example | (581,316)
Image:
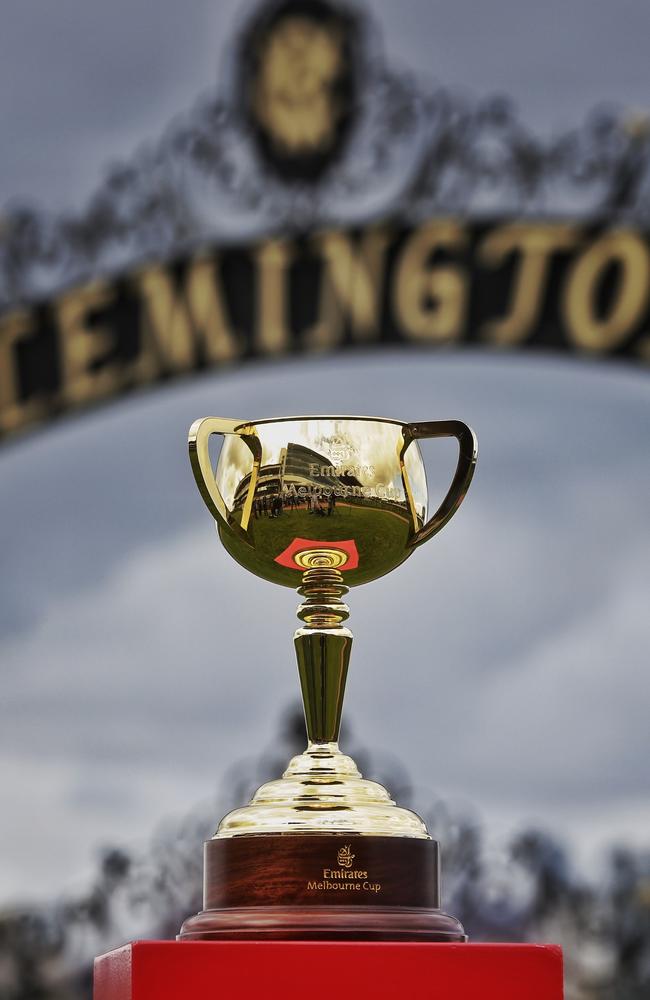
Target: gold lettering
(584,327)
(430,302)
(272,332)
(351,287)
(87,374)
(15,413)
(535,245)
(179,322)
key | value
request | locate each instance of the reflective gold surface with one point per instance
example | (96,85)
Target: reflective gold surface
(322,791)
(322,504)
(355,486)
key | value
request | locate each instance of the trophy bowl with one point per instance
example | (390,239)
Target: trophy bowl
(279,482)
(322,504)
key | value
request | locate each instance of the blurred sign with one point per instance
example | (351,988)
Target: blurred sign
(548,285)
(297,85)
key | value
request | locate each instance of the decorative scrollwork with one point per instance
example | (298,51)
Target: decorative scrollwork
(415,150)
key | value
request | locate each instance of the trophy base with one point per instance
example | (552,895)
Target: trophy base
(322,923)
(322,886)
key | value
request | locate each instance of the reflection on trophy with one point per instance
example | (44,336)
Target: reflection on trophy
(322,504)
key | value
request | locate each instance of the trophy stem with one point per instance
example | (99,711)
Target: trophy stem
(323,651)
(323,587)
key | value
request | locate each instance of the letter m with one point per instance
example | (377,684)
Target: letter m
(185,321)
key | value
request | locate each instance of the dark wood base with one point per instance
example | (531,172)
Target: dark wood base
(322,923)
(328,887)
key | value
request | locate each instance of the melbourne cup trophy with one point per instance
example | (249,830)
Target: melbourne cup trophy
(322,504)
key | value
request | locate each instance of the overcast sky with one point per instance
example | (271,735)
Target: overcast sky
(515,643)
(81,84)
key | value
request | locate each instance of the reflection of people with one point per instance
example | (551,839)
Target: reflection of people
(330,503)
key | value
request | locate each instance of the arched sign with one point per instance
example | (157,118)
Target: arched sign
(554,286)
(313,120)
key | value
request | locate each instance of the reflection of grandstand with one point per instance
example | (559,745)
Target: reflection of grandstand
(293,469)
(269,482)
(300,467)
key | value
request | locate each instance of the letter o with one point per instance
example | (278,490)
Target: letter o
(584,328)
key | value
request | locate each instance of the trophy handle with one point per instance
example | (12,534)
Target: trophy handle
(199,438)
(467,455)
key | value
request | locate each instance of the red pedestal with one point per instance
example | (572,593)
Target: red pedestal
(316,970)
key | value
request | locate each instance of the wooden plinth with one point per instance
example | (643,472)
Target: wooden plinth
(322,887)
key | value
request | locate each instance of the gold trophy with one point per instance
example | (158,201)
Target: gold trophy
(322,504)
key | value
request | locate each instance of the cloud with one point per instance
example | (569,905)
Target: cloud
(503,663)
(85,84)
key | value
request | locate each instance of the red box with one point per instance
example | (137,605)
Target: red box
(318,970)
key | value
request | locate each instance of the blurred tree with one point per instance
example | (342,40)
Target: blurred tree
(526,893)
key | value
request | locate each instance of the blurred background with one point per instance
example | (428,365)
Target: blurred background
(137,705)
